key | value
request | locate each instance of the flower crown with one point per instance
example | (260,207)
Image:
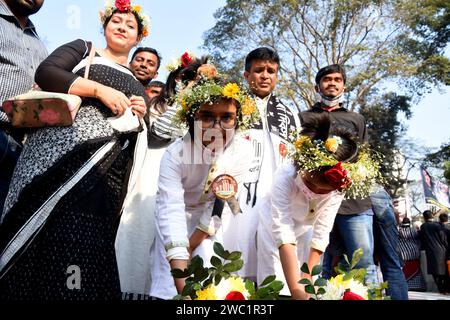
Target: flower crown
(183,61)
(124,6)
(206,90)
(353,179)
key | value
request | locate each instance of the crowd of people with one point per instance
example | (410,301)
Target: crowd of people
(198,159)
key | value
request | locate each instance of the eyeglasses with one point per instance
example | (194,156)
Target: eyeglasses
(226,122)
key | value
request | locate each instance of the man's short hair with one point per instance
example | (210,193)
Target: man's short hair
(156,83)
(427,215)
(150,50)
(332,68)
(443,217)
(262,53)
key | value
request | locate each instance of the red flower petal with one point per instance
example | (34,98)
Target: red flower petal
(348,295)
(234,295)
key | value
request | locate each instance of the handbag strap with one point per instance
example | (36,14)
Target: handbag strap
(89,62)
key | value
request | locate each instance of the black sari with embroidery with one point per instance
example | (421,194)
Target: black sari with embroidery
(67,192)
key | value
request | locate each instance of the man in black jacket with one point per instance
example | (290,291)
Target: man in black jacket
(358,219)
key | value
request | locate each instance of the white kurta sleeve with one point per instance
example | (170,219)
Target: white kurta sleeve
(283,186)
(326,213)
(170,208)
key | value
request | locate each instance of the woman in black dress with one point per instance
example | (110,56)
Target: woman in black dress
(61,215)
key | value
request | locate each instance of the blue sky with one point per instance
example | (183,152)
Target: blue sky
(178,25)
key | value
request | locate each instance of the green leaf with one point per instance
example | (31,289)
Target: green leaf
(178,273)
(219,250)
(346,260)
(197,286)
(347,277)
(276,286)
(217,279)
(187,290)
(305,268)
(178,297)
(196,263)
(321,290)
(310,289)
(305,281)
(250,286)
(263,292)
(339,269)
(207,282)
(358,274)
(200,275)
(357,255)
(216,262)
(233,266)
(235,255)
(268,280)
(383,285)
(316,270)
(320,282)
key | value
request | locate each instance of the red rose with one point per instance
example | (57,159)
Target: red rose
(49,116)
(348,295)
(337,177)
(186,59)
(283,150)
(234,295)
(123,5)
(8,106)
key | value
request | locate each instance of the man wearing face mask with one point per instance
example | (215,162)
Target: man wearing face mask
(360,223)
(18,62)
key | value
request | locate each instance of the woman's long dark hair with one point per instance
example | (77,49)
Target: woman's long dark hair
(186,74)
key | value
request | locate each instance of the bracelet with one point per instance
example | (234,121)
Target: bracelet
(95,92)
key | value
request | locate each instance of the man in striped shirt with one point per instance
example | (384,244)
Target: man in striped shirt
(21,52)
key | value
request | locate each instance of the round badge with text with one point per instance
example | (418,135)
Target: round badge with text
(224,187)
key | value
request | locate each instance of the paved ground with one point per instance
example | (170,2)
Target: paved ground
(413,295)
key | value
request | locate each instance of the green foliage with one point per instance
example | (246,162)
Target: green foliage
(199,277)
(385,130)
(349,271)
(268,290)
(376,41)
(447,171)
(440,159)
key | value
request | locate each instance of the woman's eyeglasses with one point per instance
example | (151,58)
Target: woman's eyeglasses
(226,122)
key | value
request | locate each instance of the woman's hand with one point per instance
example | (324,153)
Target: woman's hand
(138,106)
(114,99)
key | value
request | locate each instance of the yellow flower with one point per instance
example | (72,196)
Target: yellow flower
(230,90)
(299,142)
(209,293)
(137,8)
(237,284)
(249,107)
(184,104)
(331,145)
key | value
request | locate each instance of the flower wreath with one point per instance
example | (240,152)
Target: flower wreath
(206,90)
(124,6)
(183,61)
(353,179)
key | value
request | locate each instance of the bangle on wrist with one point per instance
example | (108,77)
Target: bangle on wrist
(95,92)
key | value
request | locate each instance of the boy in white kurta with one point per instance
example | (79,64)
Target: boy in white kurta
(298,216)
(186,212)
